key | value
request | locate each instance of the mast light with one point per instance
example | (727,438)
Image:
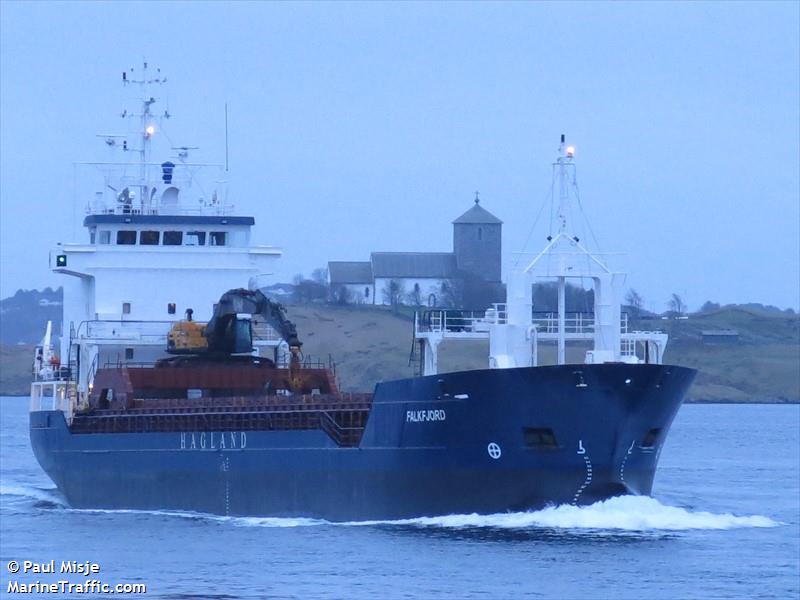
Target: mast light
(150,130)
(570,151)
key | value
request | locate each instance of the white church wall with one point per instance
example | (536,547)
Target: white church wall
(430,290)
(357,293)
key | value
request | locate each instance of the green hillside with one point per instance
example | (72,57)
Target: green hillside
(763,364)
(371,344)
(16,363)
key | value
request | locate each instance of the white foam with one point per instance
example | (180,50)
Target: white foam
(24,491)
(276,522)
(236,521)
(627,513)
(623,513)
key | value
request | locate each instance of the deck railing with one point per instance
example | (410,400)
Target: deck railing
(462,321)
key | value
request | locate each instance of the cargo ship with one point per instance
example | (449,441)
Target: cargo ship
(179,385)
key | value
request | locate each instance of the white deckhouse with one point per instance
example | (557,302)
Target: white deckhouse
(161,238)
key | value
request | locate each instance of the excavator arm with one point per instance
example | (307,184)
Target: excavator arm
(228,333)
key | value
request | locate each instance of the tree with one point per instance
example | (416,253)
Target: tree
(452,292)
(709,306)
(393,293)
(320,275)
(307,291)
(415,296)
(576,299)
(634,302)
(676,304)
(341,294)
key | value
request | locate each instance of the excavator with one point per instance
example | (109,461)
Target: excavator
(229,332)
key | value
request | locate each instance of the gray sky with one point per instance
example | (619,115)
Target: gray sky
(368,127)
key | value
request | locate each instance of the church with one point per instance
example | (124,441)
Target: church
(467,277)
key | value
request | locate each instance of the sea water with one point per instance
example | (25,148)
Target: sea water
(723,522)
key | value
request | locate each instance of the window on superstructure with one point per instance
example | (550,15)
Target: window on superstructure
(128,353)
(126,308)
(149,238)
(173,238)
(480,233)
(104,237)
(217,238)
(92,235)
(171,308)
(366,292)
(195,238)
(126,237)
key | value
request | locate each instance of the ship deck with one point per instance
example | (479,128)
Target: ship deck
(341,416)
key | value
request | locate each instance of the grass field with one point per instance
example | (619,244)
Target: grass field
(371,344)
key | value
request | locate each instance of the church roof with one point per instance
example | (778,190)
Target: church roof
(341,272)
(414,264)
(478,215)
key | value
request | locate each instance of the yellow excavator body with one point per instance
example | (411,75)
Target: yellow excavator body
(187,337)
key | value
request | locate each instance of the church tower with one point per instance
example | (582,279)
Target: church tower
(477,243)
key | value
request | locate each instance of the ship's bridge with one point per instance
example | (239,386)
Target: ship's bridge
(155,245)
(160,237)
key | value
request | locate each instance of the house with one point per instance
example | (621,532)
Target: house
(351,282)
(469,275)
(719,336)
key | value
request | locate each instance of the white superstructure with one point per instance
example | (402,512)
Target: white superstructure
(160,237)
(516,330)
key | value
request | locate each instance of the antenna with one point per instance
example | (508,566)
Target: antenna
(146,80)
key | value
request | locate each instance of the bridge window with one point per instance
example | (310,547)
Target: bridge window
(92,235)
(195,238)
(173,238)
(366,292)
(171,308)
(126,308)
(480,233)
(149,238)
(218,238)
(104,237)
(126,237)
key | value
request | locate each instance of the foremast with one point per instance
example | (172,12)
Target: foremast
(515,331)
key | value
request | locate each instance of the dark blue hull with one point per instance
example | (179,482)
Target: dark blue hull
(478,441)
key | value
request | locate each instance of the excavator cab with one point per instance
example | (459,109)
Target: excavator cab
(236,335)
